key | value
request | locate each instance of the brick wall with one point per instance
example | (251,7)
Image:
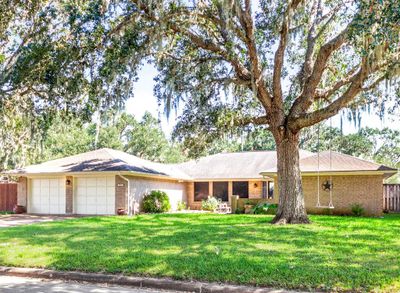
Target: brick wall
(347,190)
(194,205)
(69,195)
(22,192)
(255,189)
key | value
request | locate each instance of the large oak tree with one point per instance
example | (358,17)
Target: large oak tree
(289,65)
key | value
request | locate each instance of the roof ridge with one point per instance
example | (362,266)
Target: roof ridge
(354,157)
(107,150)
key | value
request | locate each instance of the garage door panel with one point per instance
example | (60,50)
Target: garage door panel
(101,209)
(101,192)
(110,190)
(80,182)
(91,201)
(91,191)
(54,183)
(92,182)
(47,196)
(101,182)
(111,181)
(97,196)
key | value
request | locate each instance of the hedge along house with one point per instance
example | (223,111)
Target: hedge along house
(105,181)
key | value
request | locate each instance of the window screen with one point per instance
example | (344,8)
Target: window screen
(201,191)
(220,190)
(241,188)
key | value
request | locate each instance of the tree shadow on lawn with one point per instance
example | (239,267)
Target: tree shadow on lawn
(215,248)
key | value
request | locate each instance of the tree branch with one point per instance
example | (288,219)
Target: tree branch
(325,94)
(199,41)
(308,119)
(306,98)
(261,120)
(258,83)
(280,52)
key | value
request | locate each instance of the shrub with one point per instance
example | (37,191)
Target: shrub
(260,208)
(248,202)
(181,206)
(239,211)
(265,208)
(156,202)
(210,204)
(272,209)
(357,210)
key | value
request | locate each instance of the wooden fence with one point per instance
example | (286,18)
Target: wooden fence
(8,196)
(391,197)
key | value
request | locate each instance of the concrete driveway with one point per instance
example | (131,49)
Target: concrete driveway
(25,219)
(10,284)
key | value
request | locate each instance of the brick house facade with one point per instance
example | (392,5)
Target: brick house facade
(119,181)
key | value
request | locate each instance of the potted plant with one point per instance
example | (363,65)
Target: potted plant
(248,206)
(18,209)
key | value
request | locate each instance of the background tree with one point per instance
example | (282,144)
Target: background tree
(143,138)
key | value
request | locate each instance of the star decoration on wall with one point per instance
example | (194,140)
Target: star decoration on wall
(327,185)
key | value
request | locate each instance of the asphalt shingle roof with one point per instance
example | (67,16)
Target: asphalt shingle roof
(240,165)
(335,162)
(104,160)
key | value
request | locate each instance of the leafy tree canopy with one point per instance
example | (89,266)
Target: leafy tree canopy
(143,138)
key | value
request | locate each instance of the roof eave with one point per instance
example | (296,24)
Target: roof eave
(88,173)
(228,178)
(388,173)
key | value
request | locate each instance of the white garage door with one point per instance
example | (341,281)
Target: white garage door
(95,195)
(47,196)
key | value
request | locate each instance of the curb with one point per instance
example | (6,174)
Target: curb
(140,282)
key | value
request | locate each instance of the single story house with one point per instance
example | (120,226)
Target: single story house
(105,181)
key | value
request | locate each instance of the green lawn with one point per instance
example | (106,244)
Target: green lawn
(334,253)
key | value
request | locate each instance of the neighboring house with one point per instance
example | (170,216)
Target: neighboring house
(105,180)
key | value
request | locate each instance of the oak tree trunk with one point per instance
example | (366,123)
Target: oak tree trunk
(291,209)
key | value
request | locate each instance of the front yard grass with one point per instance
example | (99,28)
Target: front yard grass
(334,253)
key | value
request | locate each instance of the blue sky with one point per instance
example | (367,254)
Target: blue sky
(144,100)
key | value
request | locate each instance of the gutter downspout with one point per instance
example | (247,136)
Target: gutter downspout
(129,196)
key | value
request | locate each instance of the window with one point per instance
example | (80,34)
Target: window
(264,189)
(220,190)
(270,189)
(201,191)
(241,188)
